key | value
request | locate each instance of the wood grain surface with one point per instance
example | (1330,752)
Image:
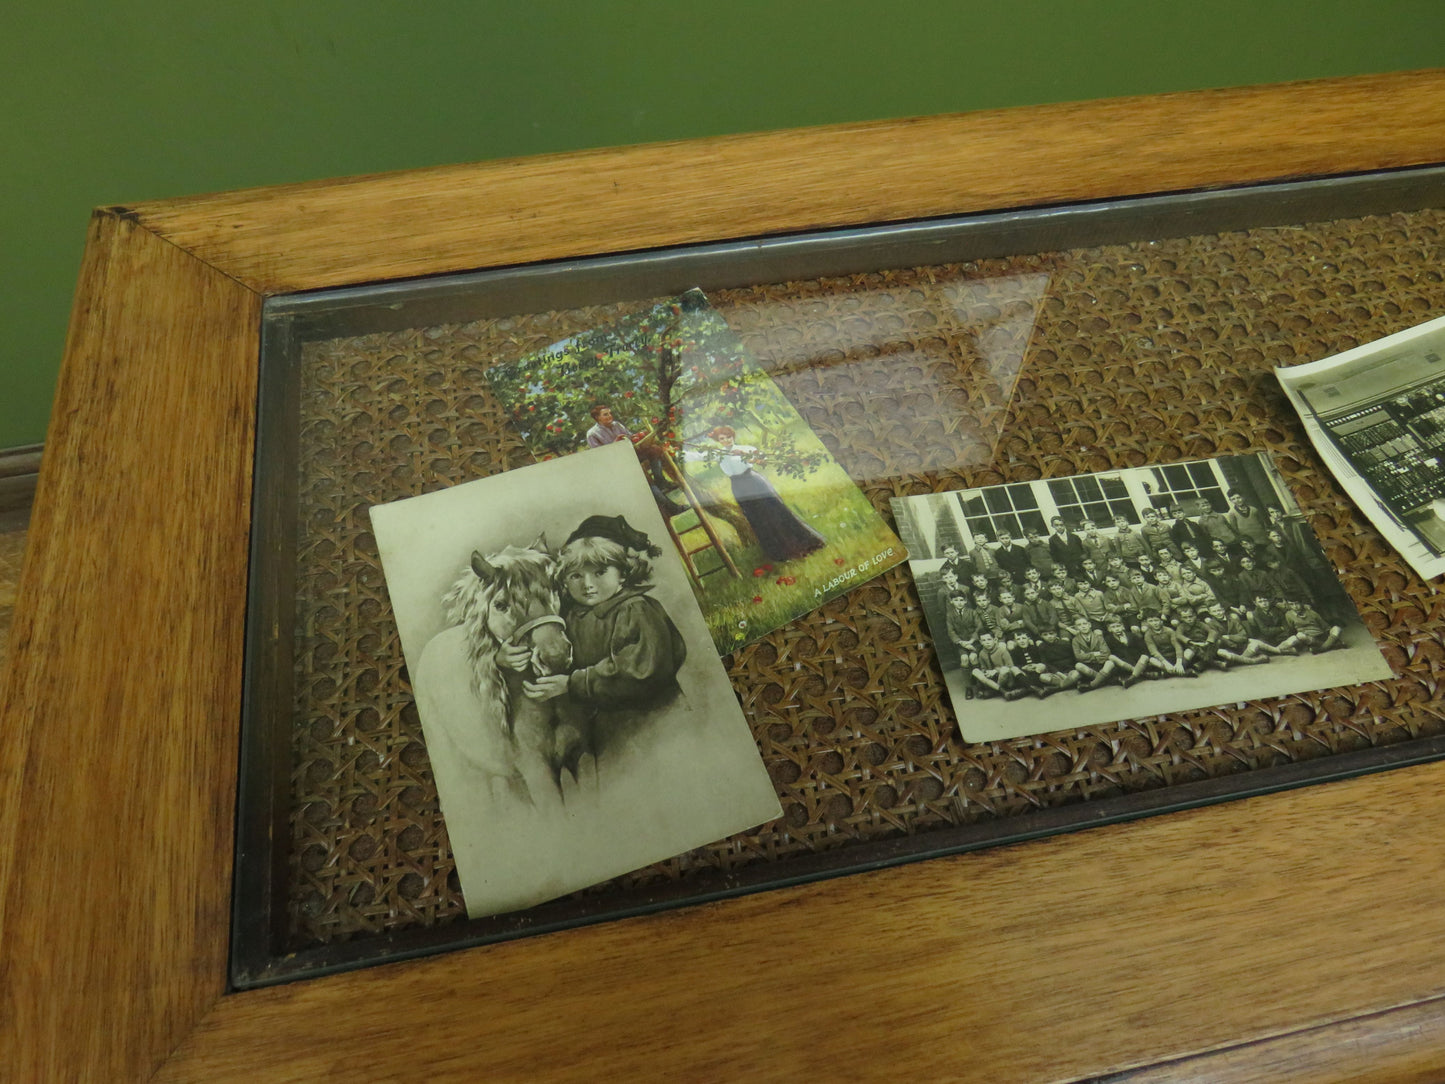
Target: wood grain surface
(1398,1047)
(120,704)
(463,217)
(1066,958)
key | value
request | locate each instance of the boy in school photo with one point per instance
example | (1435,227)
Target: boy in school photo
(995,672)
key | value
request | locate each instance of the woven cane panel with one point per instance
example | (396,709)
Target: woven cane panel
(917,380)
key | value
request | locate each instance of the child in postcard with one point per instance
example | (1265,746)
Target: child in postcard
(626,650)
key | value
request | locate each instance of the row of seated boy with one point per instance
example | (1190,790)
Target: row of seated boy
(1007,658)
(1168,598)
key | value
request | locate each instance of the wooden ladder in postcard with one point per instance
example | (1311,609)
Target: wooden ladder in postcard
(704,523)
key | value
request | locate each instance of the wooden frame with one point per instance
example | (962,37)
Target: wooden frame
(1057,959)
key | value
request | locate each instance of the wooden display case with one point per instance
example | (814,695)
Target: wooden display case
(1288,932)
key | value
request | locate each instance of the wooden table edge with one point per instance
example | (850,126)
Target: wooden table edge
(492,214)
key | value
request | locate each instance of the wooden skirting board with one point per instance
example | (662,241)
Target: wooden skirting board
(19,473)
(19,469)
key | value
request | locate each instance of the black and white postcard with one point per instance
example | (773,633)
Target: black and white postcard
(1128,593)
(1376,415)
(578,720)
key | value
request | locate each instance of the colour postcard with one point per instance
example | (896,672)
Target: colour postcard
(767,523)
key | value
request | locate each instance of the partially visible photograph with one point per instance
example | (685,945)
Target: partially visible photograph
(1128,593)
(578,721)
(1376,415)
(765,521)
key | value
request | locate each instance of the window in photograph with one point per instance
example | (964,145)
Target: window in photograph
(1187,484)
(1012,508)
(1095,497)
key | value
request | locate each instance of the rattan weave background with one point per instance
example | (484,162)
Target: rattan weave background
(1131,354)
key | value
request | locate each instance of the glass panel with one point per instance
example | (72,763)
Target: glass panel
(927,358)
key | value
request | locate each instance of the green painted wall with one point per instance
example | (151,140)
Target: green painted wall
(107,103)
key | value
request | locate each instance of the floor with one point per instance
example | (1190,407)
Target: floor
(12,545)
